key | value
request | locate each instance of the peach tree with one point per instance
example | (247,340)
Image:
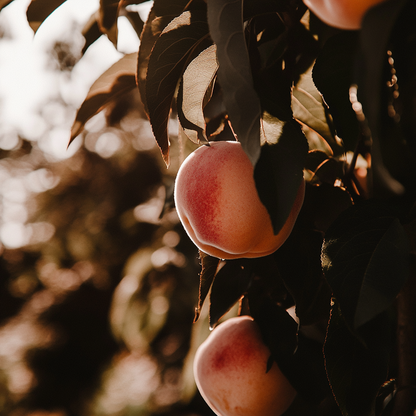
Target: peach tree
(308,100)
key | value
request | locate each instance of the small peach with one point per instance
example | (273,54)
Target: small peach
(230,372)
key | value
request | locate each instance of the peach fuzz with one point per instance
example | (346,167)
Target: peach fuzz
(218,204)
(230,372)
(343,14)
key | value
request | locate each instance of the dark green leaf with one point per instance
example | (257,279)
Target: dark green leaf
(39,10)
(314,159)
(230,284)
(365,258)
(225,18)
(209,268)
(279,173)
(118,80)
(278,328)
(357,371)
(298,262)
(323,204)
(329,171)
(333,76)
(167,63)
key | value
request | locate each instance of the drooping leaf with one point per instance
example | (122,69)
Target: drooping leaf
(91,31)
(135,21)
(167,63)
(230,284)
(279,173)
(365,258)
(209,266)
(298,262)
(309,110)
(226,28)
(107,21)
(118,80)
(278,328)
(196,81)
(357,370)
(39,10)
(333,76)
(161,14)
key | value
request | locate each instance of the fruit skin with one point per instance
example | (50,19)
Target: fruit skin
(343,14)
(230,372)
(218,204)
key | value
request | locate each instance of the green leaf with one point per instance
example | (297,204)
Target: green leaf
(357,370)
(225,18)
(333,76)
(118,80)
(39,10)
(230,284)
(167,63)
(209,268)
(196,81)
(365,258)
(279,173)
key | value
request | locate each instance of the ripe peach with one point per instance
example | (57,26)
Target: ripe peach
(344,14)
(218,204)
(230,372)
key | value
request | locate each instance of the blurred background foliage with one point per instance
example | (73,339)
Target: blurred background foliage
(97,287)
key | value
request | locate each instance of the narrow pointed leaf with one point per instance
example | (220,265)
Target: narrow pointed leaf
(209,266)
(167,63)
(161,14)
(39,10)
(91,31)
(196,80)
(118,80)
(279,173)
(109,10)
(230,284)
(357,371)
(365,258)
(225,18)
(309,111)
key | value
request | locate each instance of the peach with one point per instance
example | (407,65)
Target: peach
(218,204)
(230,372)
(343,14)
